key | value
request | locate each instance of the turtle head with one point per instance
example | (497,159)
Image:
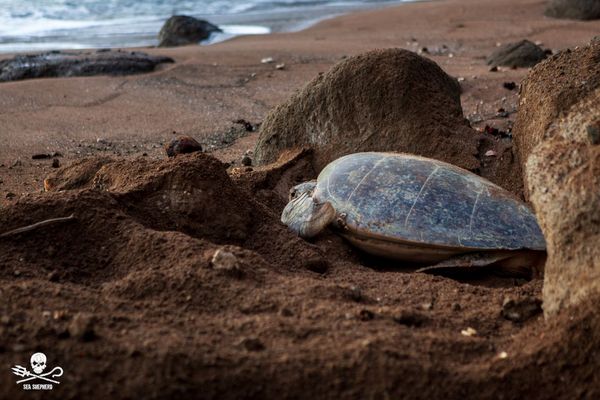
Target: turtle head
(304,214)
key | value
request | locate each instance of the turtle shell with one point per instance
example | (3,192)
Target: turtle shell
(407,198)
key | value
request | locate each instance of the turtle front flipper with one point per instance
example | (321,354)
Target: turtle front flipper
(304,214)
(514,263)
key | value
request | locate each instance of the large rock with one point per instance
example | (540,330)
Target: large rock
(520,54)
(64,64)
(558,136)
(550,89)
(180,30)
(574,9)
(383,100)
(563,175)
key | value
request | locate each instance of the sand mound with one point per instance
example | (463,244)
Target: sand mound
(383,100)
(550,89)
(558,132)
(563,174)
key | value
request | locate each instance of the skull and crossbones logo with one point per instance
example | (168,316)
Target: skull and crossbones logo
(38,362)
(38,365)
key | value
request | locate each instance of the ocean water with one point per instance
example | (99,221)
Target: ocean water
(34,25)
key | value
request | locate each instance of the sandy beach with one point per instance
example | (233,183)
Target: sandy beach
(313,348)
(209,87)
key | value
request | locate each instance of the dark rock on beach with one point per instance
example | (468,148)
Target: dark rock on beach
(574,9)
(65,64)
(383,100)
(520,54)
(180,30)
(182,145)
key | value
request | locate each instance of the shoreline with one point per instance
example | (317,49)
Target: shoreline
(233,25)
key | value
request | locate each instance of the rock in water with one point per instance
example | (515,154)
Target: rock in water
(563,171)
(383,100)
(180,30)
(574,9)
(62,64)
(519,54)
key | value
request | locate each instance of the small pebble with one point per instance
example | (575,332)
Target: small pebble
(355,293)
(521,309)
(503,355)
(246,161)
(593,132)
(316,264)
(468,332)
(182,145)
(81,327)
(410,318)
(267,60)
(226,261)
(491,153)
(55,163)
(280,66)
(509,85)
(286,312)
(366,315)
(252,344)
(52,276)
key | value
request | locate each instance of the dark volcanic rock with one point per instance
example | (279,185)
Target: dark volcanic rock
(574,9)
(519,54)
(61,64)
(383,100)
(182,145)
(180,30)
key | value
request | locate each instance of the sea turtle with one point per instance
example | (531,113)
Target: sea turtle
(412,208)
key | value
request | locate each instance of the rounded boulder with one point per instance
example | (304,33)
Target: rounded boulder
(180,30)
(574,9)
(383,100)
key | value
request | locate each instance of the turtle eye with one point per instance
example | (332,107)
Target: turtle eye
(293,193)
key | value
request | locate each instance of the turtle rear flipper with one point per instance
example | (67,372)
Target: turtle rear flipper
(526,264)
